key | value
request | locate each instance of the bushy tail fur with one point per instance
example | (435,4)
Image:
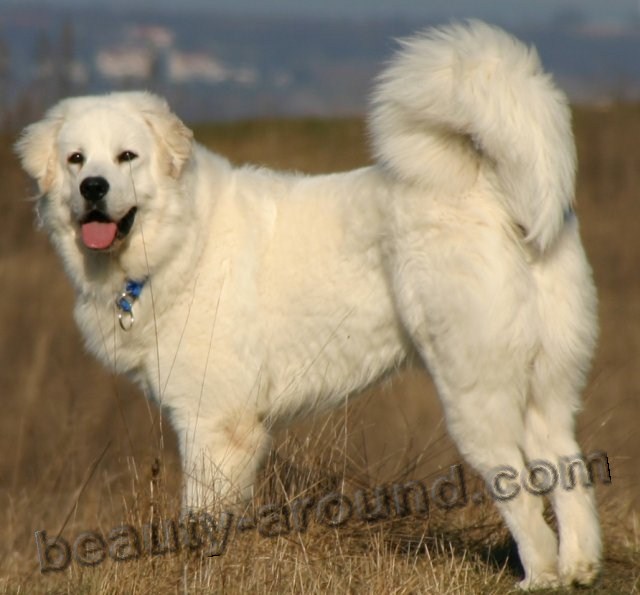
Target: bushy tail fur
(464,96)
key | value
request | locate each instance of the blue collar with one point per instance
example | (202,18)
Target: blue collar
(125,301)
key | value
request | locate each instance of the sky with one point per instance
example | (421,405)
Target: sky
(504,11)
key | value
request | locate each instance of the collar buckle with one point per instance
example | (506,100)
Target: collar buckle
(126,300)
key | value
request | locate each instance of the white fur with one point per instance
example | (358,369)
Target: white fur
(271,295)
(478,91)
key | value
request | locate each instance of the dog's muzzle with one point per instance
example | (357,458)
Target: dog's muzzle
(99,230)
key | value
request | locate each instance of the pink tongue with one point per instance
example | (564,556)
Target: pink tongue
(97,235)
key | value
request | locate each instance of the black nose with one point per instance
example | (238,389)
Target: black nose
(94,188)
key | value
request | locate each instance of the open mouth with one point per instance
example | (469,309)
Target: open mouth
(99,232)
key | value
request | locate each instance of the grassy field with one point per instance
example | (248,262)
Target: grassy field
(81,450)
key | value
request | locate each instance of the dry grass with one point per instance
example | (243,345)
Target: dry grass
(79,448)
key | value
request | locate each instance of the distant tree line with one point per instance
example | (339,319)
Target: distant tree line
(52,65)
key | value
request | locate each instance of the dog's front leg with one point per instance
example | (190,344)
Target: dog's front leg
(221,455)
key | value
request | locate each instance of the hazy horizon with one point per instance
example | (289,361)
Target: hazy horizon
(503,11)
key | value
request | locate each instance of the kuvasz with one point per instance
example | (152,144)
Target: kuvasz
(241,298)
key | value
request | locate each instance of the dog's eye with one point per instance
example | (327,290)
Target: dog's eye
(126,156)
(76,158)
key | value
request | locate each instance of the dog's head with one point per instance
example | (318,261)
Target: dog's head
(100,163)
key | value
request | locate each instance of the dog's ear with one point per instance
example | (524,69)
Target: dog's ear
(173,136)
(36,148)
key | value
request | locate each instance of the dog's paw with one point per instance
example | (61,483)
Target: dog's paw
(544,580)
(582,573)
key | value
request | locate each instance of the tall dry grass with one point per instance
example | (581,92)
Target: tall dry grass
(81,450)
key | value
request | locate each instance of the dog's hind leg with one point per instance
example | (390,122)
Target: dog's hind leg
(468,307)
(485,417)
(486,423)
(567,305)
(549,431)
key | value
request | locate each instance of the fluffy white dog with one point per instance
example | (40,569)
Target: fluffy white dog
(242,298)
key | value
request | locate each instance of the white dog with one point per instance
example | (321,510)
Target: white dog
(242,298)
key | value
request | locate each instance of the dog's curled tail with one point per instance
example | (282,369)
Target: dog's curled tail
(461,97)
